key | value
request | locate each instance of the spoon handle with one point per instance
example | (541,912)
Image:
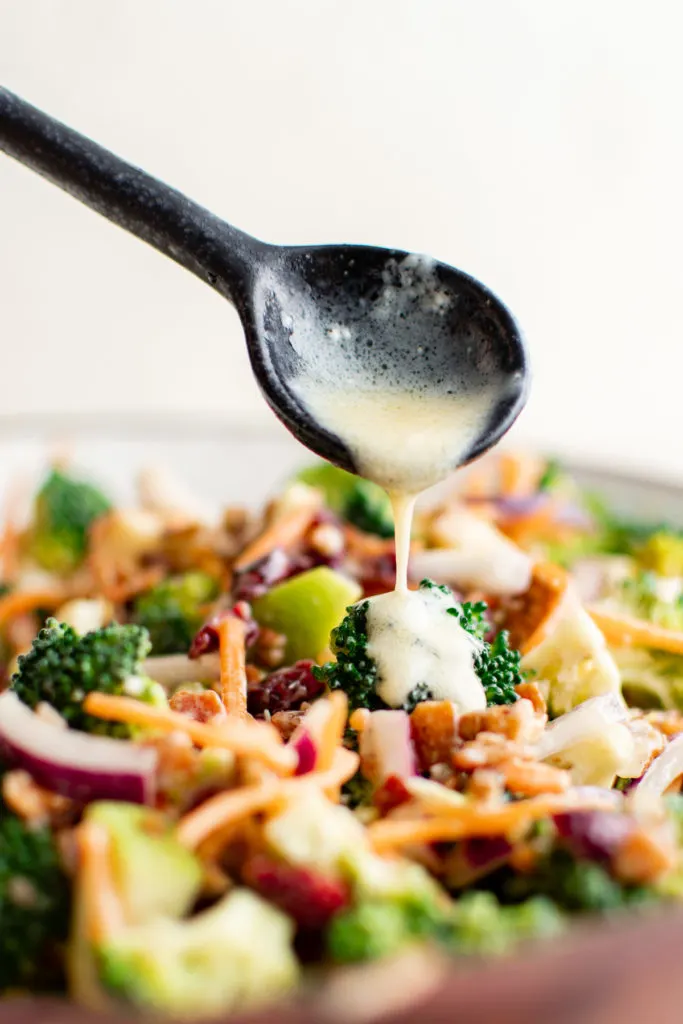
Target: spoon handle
(215,251)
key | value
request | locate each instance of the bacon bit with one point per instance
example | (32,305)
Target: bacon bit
(527,617)
(459,822)
(102,907)
(232,636)
(21,602)
(625,631)
(516,721)
(32,803)
(531,778)
(205,706)
(247,738)
(523,858)
(287,722)
(434,732)
(531,691)
(643,857)
(226,810)
(284,532)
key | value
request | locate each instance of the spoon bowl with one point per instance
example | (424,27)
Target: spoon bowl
(373,318)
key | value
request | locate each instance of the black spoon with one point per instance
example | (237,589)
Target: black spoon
(405,321)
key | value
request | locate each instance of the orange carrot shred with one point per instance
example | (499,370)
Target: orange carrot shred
(247,738)
(231,638)
(625,631)
(22,601)
(459,822)
(332,731)
(104,912)
(226,810)
(283,533)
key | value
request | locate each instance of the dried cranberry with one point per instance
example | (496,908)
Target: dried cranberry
(392,793)
(307,896)
(481,852)
(258,578)
(207,639)
(284,690)
(596,835)
(276,567)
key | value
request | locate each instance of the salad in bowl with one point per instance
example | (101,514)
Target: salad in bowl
(217,785)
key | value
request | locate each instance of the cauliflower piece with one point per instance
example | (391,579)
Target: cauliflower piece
(572,662)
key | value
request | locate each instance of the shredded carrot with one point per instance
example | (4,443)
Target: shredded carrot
(103,908)
(478,482)
(459,822)
(283,533)
(511,469)
(226,810)
(367,545)
(249,739)
(332,731)
(231,637)
(624,631)
(22,601)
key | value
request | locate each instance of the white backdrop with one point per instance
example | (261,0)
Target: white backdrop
(537,145)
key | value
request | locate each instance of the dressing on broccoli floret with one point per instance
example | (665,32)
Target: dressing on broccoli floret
(494,667)
(173,611)
(62,667)
(64,510)
(34,905)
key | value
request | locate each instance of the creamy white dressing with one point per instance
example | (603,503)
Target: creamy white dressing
(413,640)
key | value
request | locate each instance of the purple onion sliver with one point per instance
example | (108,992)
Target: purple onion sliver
(72,763)
(596,835)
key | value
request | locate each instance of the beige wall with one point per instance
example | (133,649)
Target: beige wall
(536,144)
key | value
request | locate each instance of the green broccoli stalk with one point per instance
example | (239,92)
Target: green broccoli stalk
(355,672)
(62,668)
(64,510)
(173,611)
(34,906)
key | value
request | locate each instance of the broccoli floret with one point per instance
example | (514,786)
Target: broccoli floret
(574,884)
(174,610)
(355,672)
(62,668)
(377,928)
(498,668)
(358,501)
(482,926)
(34,906)
(235,955)
(64,510)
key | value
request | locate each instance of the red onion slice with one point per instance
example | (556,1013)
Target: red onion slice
(386,747)
(73,763)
